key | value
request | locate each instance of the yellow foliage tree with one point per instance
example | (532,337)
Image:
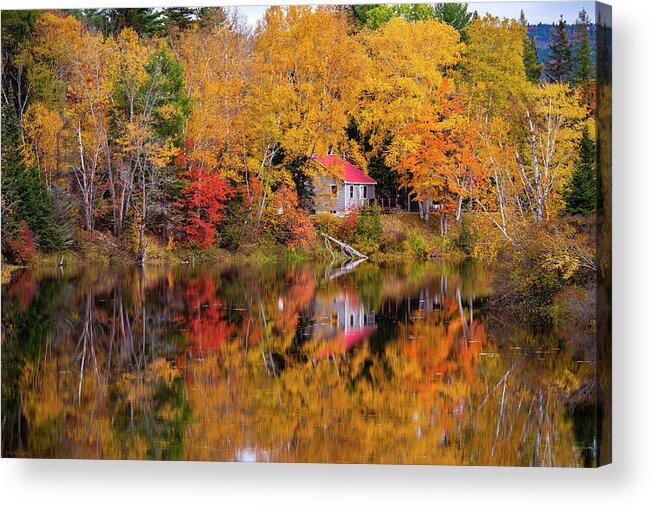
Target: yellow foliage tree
(408,63)
(42,129)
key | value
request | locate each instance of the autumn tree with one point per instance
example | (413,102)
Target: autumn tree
(527,176)
(408,64)
(285,221)
(67,125)
(493,67)
(202,200)
(162,112)
(87,111)
(43,132)
(436,156)
(306,78)
(552,119)
(216,61)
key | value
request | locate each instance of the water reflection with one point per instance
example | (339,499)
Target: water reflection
(302,363)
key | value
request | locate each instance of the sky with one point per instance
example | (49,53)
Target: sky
(536,12)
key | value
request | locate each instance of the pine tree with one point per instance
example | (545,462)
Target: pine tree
(211,16)
(581,194)
(559,65)
(181,18)
(532,66)
(144,21)
(582,69)
(24,195)
(12,165)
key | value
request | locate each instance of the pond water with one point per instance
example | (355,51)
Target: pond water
(337,364)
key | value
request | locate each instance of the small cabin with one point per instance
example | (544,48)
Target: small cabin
(338,195)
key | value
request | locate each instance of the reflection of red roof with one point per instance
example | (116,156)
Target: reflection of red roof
(351,174)
(346,340)
(355,336)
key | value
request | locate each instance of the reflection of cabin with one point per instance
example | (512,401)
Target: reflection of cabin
(344,318)
(339,195)
(352,314)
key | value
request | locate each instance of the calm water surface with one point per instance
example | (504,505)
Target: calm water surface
(306,363)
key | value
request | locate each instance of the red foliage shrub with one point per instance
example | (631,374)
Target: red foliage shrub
(23,289)
(286,222)
(204,201)
(21,246)
(349,225)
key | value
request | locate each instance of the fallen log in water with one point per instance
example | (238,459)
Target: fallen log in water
(346,249)
(346,267)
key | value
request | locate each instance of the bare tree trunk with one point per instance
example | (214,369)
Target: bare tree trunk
(427,203)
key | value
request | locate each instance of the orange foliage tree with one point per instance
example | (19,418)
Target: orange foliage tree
(436,155)
(286,222)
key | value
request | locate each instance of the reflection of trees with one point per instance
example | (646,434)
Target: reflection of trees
(224,365)
(522,413)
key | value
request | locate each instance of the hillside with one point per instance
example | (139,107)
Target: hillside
(543,35)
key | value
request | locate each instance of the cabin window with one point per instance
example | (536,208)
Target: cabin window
(352,190)
(334,190)
(364,191)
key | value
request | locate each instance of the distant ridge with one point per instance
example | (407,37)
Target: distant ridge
(543,34)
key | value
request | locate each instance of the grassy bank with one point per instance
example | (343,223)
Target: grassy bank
(408,237)
(385,238)
(395,237)
(102,249)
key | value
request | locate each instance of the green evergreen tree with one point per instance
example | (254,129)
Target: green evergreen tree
(12,165)
(24,195)
(581,193)
(17,30)
(144,21)
(582,68)
(181,18)
(559,65)
(211,16)
(455,15)
(532,66)
(166,76)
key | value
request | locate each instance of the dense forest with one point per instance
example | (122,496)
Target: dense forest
(167,131)
(169,281)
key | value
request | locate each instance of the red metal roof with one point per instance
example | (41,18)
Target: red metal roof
(351,174)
